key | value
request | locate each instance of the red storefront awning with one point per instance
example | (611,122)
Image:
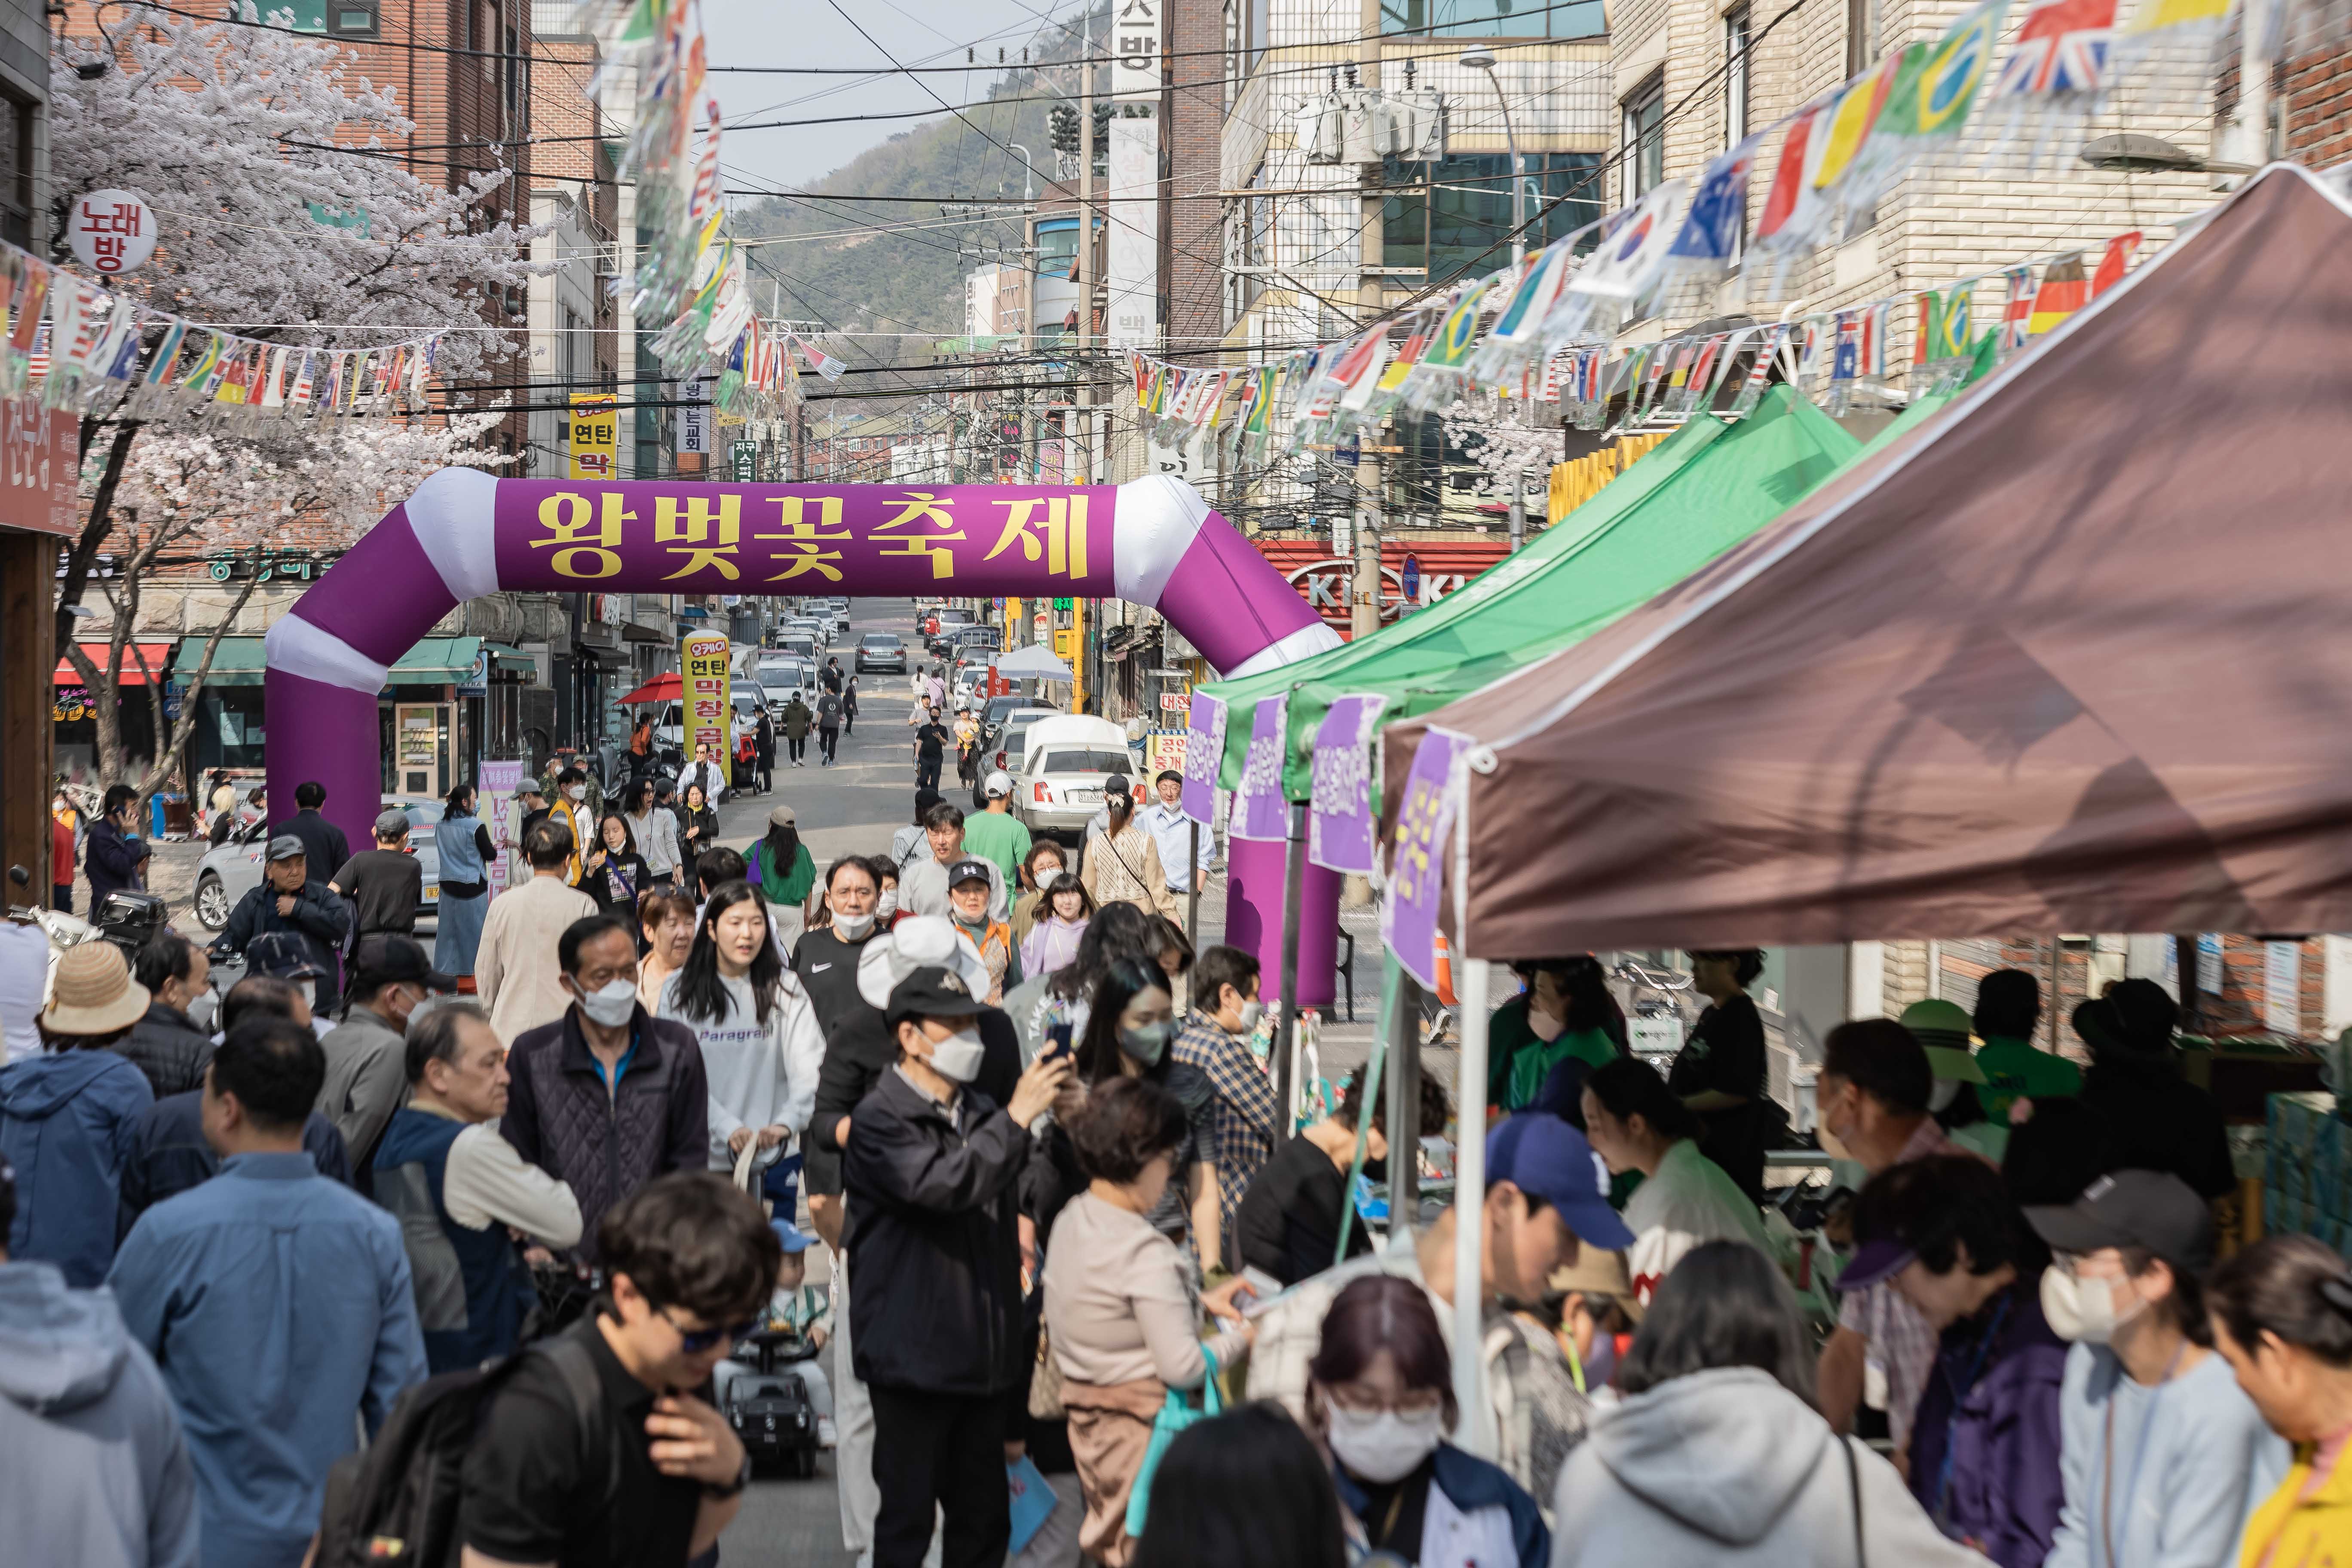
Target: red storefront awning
(158,657)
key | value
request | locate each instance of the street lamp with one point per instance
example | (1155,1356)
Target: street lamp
(1029,177)
(1479,58)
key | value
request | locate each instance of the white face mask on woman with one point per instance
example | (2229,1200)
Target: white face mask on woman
(887,905)
(1383,1446)
(2083,1310)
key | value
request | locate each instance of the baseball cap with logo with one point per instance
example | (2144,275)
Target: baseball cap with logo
(997,786)
(2151,1209)
(930,992)
(1539,1153)
(969,870)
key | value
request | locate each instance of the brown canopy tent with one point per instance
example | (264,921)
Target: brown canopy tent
(2078,655)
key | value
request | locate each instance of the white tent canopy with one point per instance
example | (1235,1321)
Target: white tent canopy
(1031,663)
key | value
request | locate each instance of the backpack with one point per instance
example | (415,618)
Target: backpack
(398,1498)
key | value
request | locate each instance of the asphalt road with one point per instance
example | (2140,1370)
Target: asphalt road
(850,808)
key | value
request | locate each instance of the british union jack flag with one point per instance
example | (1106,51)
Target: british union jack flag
(2061,48)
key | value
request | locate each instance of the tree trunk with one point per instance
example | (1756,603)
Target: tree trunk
(94,530)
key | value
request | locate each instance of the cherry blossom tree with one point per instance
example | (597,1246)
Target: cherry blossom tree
(283,215)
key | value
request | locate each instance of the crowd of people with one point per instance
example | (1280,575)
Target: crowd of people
(507,1211)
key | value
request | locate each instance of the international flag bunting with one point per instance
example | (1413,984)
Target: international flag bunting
(2114,262)
(1759,371)
(1929,331)
(158,369)
(1788,174)
(1710,234)
(2063,291)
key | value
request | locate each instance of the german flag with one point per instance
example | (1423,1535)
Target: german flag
(2065,291)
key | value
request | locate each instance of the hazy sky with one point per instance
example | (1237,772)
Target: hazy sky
(812,33)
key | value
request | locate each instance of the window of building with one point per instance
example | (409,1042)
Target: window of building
(1493,18)
(1641,138)
(513,62)
(1861,36)
(1735,77)
(487,43)
(1453,217)
(17,169)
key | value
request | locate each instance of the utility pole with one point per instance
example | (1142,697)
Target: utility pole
(1364,601)
(1082,268)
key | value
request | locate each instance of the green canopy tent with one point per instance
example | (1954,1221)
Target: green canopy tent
(1694,495)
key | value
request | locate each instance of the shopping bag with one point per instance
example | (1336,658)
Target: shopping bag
(1033,1502)
(1175,1414)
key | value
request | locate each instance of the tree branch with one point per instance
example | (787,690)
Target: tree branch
(94,528)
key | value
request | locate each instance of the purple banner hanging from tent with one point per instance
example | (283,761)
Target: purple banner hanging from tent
(1259,810)
(1204,754)
(1341,835)
(1417,866)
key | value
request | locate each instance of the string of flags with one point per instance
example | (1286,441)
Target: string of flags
(689,273)
(1829,356)
(1540,330)
(75,345)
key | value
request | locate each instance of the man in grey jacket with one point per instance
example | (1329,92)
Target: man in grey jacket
(367,1053)
(97,1472)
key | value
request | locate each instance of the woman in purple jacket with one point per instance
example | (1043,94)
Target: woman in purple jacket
(1985,1441)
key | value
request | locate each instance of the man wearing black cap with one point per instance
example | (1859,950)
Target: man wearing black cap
(386,883)
(931,1169)
(288,901)
(2144,1390)
(367,1053)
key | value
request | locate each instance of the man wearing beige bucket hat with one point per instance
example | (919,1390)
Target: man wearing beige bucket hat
(66,1116)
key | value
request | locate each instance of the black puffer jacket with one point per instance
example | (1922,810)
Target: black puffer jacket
(169,1049)
(932,1240)
(560,1117)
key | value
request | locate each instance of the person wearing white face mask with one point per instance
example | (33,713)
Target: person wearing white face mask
(2162,1454)
(861,1052)
(1121,1311)
(1243,1117)
(931,1167)
(1380,1402)
(607,1097)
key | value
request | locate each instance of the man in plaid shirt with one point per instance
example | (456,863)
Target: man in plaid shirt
(1243,1118)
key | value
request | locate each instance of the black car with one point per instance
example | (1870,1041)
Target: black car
(881,650)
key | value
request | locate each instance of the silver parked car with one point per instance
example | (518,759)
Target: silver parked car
(228,873)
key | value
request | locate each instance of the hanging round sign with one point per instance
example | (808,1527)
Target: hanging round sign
(111,232)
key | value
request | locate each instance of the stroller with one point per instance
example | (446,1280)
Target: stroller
(768,1405)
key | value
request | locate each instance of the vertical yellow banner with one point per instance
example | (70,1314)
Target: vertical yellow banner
(703,660)
(596,436)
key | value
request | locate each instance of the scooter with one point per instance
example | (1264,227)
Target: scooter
(127,920)
(769,1405)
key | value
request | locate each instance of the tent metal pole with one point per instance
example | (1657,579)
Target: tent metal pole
(1193,899)
(1477,1429)
(1403,1023)
(1294,898)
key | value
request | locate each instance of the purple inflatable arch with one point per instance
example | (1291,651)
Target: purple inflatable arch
(1153,542)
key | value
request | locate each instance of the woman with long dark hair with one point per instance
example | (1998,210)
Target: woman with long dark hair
(1636,1123)
(654,830)
(1379,1401)
(760,1044)
(1718,1456)
(1053,940)
(1055,1001)
(785,872)
(614,873)
(1566,1013)
(1130,1024)
(697,823)
(1040,869)
(463,844)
